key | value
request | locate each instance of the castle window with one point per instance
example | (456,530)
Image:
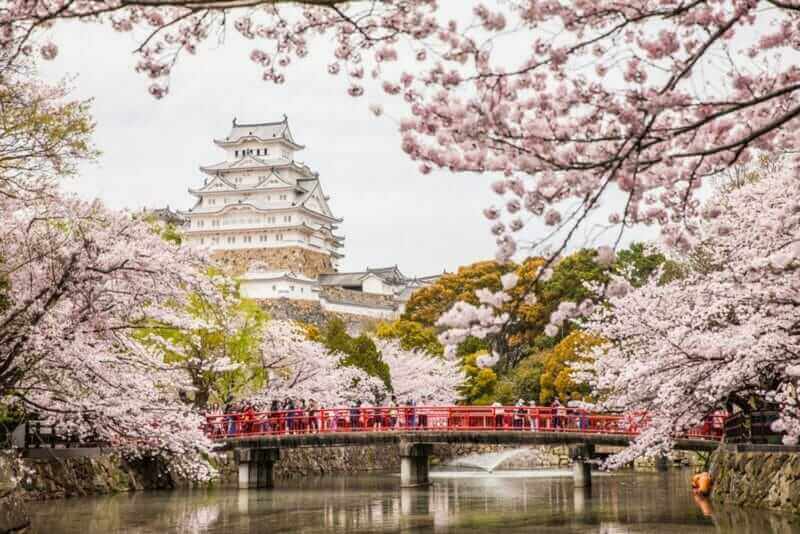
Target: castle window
(291,288)
(287,218)
(283,197)
(248,239)
(231,240)
(202,241)
(236,153)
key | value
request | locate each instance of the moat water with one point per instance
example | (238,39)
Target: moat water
(538,502)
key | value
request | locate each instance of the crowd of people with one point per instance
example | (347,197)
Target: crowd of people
(298,416)
(301,416)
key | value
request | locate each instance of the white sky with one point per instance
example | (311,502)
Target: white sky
(152,149)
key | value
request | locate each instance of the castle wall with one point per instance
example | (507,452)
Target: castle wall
(311,312)
(295,259)
(338,295)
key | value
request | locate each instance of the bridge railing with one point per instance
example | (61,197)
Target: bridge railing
(437,418)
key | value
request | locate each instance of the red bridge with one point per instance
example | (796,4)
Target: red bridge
(234,426)
(257,437)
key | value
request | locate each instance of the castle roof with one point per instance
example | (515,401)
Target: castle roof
(254,162)
(260,131)
(390,275)
(167,215)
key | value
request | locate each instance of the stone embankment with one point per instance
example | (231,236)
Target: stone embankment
(52,478)
(28,479)
(308,462)
(757,476)
(311,312)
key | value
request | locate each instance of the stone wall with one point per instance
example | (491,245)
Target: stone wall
(311,312)
(357,298)
(317,461)
(53,478)
(759,477)
(295,259)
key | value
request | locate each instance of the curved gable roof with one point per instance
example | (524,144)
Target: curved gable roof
(262,131)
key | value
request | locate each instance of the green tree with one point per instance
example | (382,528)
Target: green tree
(222,355)
(522,382)
(44,137)
(480,383)
(358,351)
(411,336)
(636,265)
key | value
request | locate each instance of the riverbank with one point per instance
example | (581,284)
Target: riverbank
(766,477)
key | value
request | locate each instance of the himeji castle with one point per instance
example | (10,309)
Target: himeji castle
(266,216)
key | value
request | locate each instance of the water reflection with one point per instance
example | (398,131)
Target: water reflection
(625,503)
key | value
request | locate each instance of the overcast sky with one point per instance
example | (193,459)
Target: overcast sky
(152,148)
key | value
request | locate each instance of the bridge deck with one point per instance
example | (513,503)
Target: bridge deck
(511,437)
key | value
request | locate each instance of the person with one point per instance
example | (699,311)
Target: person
(519,414)
(412,413)
(533,415)
(355,414)
(231,418)
(559,414)
(563,417)
(405,413)
(332,419)
(313,424)
(248,417)
(393,412)
(422,415)
(288,407)
(377,416)
(218,420)
(499,414)
(274,408)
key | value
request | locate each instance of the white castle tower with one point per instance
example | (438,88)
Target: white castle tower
(265,214)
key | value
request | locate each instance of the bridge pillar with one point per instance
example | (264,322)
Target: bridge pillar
(581,465)
(414,464)
(255,467)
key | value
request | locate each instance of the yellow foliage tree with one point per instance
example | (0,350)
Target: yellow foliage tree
(556,379)
(427,304)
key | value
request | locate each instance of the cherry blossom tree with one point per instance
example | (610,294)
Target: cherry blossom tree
(572,105)
(722,335)
(427,379)
(79,282)
(304,369)
(646,98)
(44,134)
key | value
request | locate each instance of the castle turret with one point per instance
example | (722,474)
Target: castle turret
(261,211)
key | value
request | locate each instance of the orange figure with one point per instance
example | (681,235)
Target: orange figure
(701,484)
